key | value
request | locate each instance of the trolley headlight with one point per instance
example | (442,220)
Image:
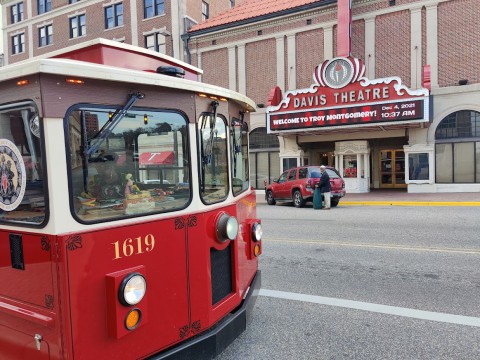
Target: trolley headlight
(132,289)
(257,232)
(227,228)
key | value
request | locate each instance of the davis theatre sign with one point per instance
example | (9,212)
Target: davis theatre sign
(343,98)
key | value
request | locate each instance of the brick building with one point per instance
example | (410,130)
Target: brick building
(431,47)
(36,27)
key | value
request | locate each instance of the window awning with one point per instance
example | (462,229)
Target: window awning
(157,158)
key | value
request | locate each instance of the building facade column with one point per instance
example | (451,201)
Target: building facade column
(175,29)
(134,22)
(280,60)
(416,48)
(232,68)
(29,38)
(432,43)
(370,47)
(328,42)
(292,62)
(242,70)
(199,65)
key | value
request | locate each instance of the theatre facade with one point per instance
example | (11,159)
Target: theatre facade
(342,103)
(388,92)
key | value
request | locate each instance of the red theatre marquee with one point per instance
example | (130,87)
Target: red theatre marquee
(343,98)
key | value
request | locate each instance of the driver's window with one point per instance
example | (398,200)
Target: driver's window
(292,175)
(283,177)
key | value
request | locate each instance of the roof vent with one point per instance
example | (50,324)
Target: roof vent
(171,71)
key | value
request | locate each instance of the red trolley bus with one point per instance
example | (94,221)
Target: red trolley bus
(128,228)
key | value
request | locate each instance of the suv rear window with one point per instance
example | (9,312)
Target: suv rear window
(332,174)
(303,173)
(315,173)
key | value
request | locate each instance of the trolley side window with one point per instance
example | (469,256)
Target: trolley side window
(212,134)
(127,163)
(239,154)
(22,180)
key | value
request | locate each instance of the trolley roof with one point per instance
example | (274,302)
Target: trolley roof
(99,59)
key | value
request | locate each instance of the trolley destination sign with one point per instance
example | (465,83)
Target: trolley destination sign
(342,97)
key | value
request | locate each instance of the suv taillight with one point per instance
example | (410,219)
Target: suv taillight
(343,184)
(309,183)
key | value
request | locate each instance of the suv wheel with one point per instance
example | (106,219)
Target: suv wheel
(334,202)
(298,199)
(270,199)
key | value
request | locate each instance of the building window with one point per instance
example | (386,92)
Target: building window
(457,148)
(155,42)
(78,26)
(264,157)
(153,8)
(44,6)
(16,13)
(73,1)
(18,43)
(113,16)
(205,10)
(460,124)
(418,166)
(45,35)
(232,3)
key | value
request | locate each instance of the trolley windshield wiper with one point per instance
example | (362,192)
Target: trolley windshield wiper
(207,150)
(107,129)
(237,143)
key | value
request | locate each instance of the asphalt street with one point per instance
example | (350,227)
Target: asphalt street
(366,282)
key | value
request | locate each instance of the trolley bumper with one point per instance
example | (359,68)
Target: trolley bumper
(211,343)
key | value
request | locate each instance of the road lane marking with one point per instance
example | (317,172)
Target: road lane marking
(379,246)
(376,308)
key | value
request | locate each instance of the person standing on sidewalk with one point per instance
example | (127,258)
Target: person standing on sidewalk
(325,187)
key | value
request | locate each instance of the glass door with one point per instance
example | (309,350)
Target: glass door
(392,169)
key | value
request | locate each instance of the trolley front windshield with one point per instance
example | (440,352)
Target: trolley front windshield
(133,166)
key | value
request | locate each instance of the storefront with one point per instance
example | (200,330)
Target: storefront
(370,130)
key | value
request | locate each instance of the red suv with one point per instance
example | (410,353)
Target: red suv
(298,185)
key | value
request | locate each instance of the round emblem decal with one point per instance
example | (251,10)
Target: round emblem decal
(338,73)
(12,176)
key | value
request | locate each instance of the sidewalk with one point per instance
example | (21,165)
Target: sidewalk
(402,198)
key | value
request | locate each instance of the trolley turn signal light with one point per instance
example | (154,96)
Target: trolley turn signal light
(133,319)
(256,250)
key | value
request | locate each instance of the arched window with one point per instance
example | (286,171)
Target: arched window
(457,148)
(264,157)
(460,124)
(259,139)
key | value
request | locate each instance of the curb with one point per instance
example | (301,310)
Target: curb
(410,203)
